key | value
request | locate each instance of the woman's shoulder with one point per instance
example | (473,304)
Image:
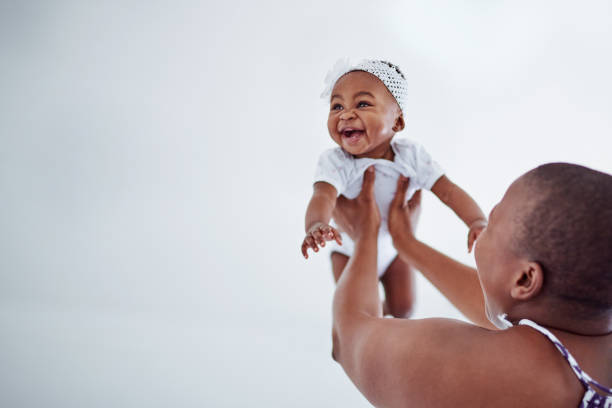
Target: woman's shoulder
(513,367)
(453,363)
(539,373)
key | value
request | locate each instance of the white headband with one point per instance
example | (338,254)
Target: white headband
(388,73)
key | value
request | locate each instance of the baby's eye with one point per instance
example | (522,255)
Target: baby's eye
(336,107)
(363,104)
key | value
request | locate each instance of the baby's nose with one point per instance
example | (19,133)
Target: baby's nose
(347,114)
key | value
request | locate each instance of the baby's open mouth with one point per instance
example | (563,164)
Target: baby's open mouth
(351,134)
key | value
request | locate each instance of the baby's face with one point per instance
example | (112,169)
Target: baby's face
(363,115)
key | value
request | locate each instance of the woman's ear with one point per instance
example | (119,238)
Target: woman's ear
(528,282)
(399,123)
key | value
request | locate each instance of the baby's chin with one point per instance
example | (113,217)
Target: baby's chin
(354,147)
(355,144)
(355,151)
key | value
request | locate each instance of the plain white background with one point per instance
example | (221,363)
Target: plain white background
(156,162)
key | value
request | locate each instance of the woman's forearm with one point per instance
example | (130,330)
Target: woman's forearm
(459,283)
(357,290)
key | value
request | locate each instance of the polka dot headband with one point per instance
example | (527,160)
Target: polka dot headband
(389,74)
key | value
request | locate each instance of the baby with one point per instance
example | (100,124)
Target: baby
(367,105)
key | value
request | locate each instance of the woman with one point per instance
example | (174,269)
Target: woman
(544,275)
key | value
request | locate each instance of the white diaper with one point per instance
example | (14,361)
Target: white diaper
(386,250)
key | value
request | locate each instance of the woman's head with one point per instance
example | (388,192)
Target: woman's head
(547,251)
(366,107)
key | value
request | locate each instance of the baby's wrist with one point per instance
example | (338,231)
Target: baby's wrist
(315,225)
(479,223)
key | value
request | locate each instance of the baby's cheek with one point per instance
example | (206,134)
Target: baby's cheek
(331,128)
(384,129)
(329,125)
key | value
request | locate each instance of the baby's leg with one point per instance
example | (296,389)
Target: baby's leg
(398,282)
(339,261)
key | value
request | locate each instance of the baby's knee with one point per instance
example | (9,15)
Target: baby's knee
(401,309)
(335,345)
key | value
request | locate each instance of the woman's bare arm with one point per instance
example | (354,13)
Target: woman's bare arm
(397,362)
(356,295)
(459,283)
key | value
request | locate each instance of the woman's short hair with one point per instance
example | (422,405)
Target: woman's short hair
(567,229)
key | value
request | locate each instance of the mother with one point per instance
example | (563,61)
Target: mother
(544,274)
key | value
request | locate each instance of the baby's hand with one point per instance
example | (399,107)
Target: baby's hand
(475,230)
(317,235)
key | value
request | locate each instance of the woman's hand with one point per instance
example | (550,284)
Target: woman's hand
(359,217)
(403,218)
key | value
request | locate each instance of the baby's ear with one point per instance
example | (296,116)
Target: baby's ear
(399,123)
(528,282)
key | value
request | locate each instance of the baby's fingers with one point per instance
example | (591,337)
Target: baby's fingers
(329,233)
(312,243)
(335,235)
(305,249)
(309,242)
(318,237)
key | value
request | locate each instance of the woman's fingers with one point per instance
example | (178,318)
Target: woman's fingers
(415,200)
(367,189)
(400,193)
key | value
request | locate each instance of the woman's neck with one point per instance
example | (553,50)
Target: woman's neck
(561,321)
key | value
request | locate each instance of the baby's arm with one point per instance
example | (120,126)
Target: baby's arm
(318,214)
(463,205)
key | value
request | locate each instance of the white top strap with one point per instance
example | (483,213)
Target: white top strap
(582,376)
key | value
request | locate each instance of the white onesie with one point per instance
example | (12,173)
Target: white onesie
(345,173)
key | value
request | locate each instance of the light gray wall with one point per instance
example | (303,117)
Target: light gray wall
(156,161)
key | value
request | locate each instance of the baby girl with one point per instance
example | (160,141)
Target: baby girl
(367,106)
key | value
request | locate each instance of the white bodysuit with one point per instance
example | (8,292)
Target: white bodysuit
(345,173)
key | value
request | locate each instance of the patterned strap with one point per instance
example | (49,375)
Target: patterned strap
(584,378)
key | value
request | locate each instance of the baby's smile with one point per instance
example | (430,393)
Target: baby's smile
(351,135)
